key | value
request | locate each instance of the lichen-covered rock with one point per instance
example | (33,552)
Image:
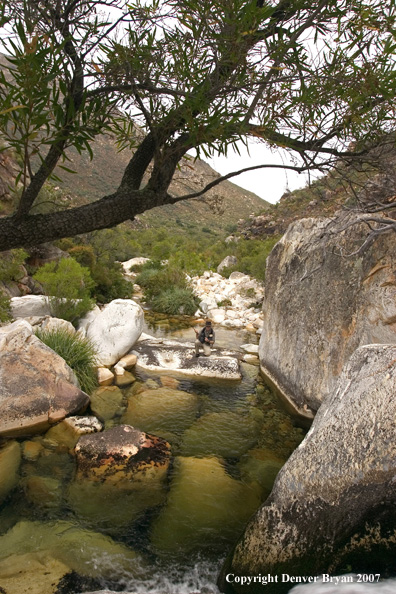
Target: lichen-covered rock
(115,330)
(52,394)
(321,305)
(121,473)
(333,503)
(67,433)
(122,454)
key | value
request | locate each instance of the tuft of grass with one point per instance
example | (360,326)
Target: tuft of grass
(78,352)
(174,301)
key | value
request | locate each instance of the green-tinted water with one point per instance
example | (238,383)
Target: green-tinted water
(166,532)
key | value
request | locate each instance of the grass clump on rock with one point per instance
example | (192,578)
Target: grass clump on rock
(78,352)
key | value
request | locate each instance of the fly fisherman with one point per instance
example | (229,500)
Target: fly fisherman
(205,339)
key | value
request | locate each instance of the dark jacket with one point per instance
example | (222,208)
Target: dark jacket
(206,333)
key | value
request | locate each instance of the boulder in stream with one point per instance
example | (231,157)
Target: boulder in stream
(333,503)
(322,303)
(115,330)
(163,355)
(121,473)
(35,556)
(203,506)
(38,388)
(162,412)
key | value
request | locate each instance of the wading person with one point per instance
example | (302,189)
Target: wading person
(205,339)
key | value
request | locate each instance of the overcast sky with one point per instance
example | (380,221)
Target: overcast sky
(269,184)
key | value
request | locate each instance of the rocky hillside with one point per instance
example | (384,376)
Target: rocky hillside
(222,206)
(342,187)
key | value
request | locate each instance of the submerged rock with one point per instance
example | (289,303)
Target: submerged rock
(43,491)
(115,330)
(333,503)
(10,460)
(204,506)
(226,434)
(161,411)
(106,402)
(34,556)
(169,355)
(120,473)
(53,388)
(321,305)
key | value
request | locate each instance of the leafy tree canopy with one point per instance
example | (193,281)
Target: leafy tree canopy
(168,76)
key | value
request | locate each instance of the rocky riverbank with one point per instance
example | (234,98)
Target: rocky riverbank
(234,302)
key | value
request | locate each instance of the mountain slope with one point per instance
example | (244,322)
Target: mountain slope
(221,206)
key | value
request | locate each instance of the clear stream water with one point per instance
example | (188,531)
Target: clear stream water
(173,537)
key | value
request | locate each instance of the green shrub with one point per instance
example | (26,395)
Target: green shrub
(84,255)
(175,300)
(10,264)
(68,286)
(110,283)
(78,352)
(5,308)
(157,280)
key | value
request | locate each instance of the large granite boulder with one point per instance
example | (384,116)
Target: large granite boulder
(333,503)
(322,303)
(38,388)
(115,330)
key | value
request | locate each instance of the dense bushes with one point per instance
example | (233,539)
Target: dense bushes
(78,352)
(175,301)
(68,286)
(166,289)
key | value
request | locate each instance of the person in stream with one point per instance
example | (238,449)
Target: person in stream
(205,339)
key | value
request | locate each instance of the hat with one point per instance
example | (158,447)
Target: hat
(208,323)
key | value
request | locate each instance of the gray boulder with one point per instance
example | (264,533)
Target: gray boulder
(333,503)
(37,388)
(30,305)
(115,330)
(321,305)
(228,262)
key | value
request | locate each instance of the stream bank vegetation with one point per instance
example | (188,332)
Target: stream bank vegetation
(78,352)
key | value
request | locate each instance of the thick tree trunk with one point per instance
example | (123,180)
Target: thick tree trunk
(106,212)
